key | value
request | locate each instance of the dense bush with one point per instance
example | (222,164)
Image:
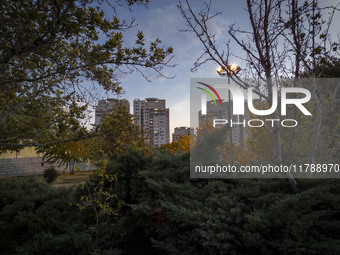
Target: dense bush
(30,210)
(183,216)
(128,167)
(168,213)
(50,174)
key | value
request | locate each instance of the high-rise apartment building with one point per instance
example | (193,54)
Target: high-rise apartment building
(179,131)
(106,107)
(222,112)
(213,112)
(153,115)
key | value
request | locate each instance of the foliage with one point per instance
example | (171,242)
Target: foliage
(283,39)
(259,142)
(50,174)
(205,129)
(326,68)
(168,213)
(184,216)
(210,141)
(32,212)
(211,146)
(67,153)
(37,218)
(116,133)
(182,145)
(100,197)
(127,166)
(329,99)
(119,132)
(297,142)
(46,119)
(54,57)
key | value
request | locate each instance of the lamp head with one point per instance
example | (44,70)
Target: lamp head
(233,67)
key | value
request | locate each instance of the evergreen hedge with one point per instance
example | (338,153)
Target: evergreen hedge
(167,213)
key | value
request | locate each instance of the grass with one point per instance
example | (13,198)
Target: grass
(66,179)
(63,179)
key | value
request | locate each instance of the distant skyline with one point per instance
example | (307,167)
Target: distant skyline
(162,20)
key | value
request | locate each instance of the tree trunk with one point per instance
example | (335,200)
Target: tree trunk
(72,167)
(277,141)
(316,137)
(277,153)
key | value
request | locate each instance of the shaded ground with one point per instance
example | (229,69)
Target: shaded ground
(64,179)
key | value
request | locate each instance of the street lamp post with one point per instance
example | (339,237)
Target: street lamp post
(223,72)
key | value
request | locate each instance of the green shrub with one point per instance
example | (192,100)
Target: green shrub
(233,216)
(31,211)
(50,174)
(128,165)
(169,213)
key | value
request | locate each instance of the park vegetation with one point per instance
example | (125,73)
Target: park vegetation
(140,199)
(145,203)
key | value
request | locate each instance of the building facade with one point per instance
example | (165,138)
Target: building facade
(239,134)
(179,131)
(106,107)
(153,115)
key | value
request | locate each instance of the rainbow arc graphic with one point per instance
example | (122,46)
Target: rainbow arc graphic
(209,93)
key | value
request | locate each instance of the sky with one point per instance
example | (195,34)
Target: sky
(162,19)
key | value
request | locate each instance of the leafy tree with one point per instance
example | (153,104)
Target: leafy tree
(127,166)
(259,142)
(100,197)
(206,128)
(49,118)
(67,153)
(329,98)
(118,132)
(182,145)
(324,149)
(50,54)
(222,139)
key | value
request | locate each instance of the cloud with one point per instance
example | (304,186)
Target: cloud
(164,23)
(219,27)
(162,20)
